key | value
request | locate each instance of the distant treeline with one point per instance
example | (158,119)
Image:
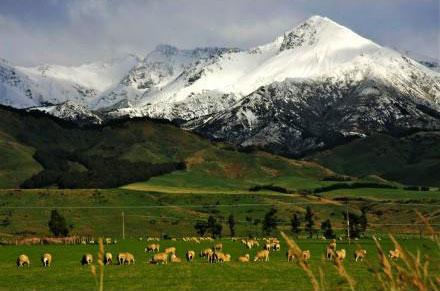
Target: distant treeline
(67,170)
(336,186)
(270,188)
(355,185)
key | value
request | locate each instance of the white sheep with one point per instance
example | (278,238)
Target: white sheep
(46,259)
(87,259)
(23,260)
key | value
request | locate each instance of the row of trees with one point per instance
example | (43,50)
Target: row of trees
(270,223)
(358,224)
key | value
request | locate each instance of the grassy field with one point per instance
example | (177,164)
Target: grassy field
(277,274)
(173,211)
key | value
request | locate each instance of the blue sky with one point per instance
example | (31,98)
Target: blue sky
(74,31)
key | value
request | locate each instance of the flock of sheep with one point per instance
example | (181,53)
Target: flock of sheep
(214,254)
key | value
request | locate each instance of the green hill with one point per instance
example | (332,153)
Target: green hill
(413,159)
(43,152)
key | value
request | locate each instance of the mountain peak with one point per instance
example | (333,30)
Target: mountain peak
(323,30)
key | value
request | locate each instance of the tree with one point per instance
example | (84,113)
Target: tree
(295,224)
(57,224)
(358,223)
(326,227)
(270,222)
(201,227)
(231,223)
(309,219)
(214,227)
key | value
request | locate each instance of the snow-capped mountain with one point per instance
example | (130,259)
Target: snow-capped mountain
(162,69)
(317,85)
(23,87)
(296,117)
(71,111)
(316,49)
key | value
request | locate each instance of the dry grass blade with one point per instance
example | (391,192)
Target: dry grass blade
(385,277)
(343,273)
(412,273)
(425,221)
(101,264)
(300,261)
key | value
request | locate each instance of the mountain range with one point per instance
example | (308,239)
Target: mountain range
(313,88)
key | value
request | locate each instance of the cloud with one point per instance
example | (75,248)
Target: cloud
(75,31)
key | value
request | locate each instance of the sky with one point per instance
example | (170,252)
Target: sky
(70,32)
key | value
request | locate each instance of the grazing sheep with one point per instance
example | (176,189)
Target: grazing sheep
(267,246)
(212,257)
(190,256)
(175,259)
(206,253)
(394,254)
(290,254)
(220,257)
(218,247)
(262,255)
(330,250)
(46,259)
(250,243)
(108,258)
(340,255)
(23,260)
(129,258)
(152,248)
(160,258)
(170,250)
(306,255)
(121,258)
(244,259)
(329,253)
(359,255)
(87,259)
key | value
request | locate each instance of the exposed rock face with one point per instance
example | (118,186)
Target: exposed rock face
(294,117)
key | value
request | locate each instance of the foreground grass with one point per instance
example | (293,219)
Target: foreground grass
(67,273)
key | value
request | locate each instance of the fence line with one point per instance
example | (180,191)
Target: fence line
(215,205)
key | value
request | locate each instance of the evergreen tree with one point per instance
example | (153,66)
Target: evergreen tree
(57,224)
(231,223)
(270,222)
(309,219)
(295,224)
(326,227)
(201,227)
(358,223)
(214,227)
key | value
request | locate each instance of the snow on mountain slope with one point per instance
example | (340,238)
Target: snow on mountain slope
(318,48)
(71,111)
(317,85)
(16,88)
(97,75)
(296,117)
(159,69)
(427,61)
(23,87)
